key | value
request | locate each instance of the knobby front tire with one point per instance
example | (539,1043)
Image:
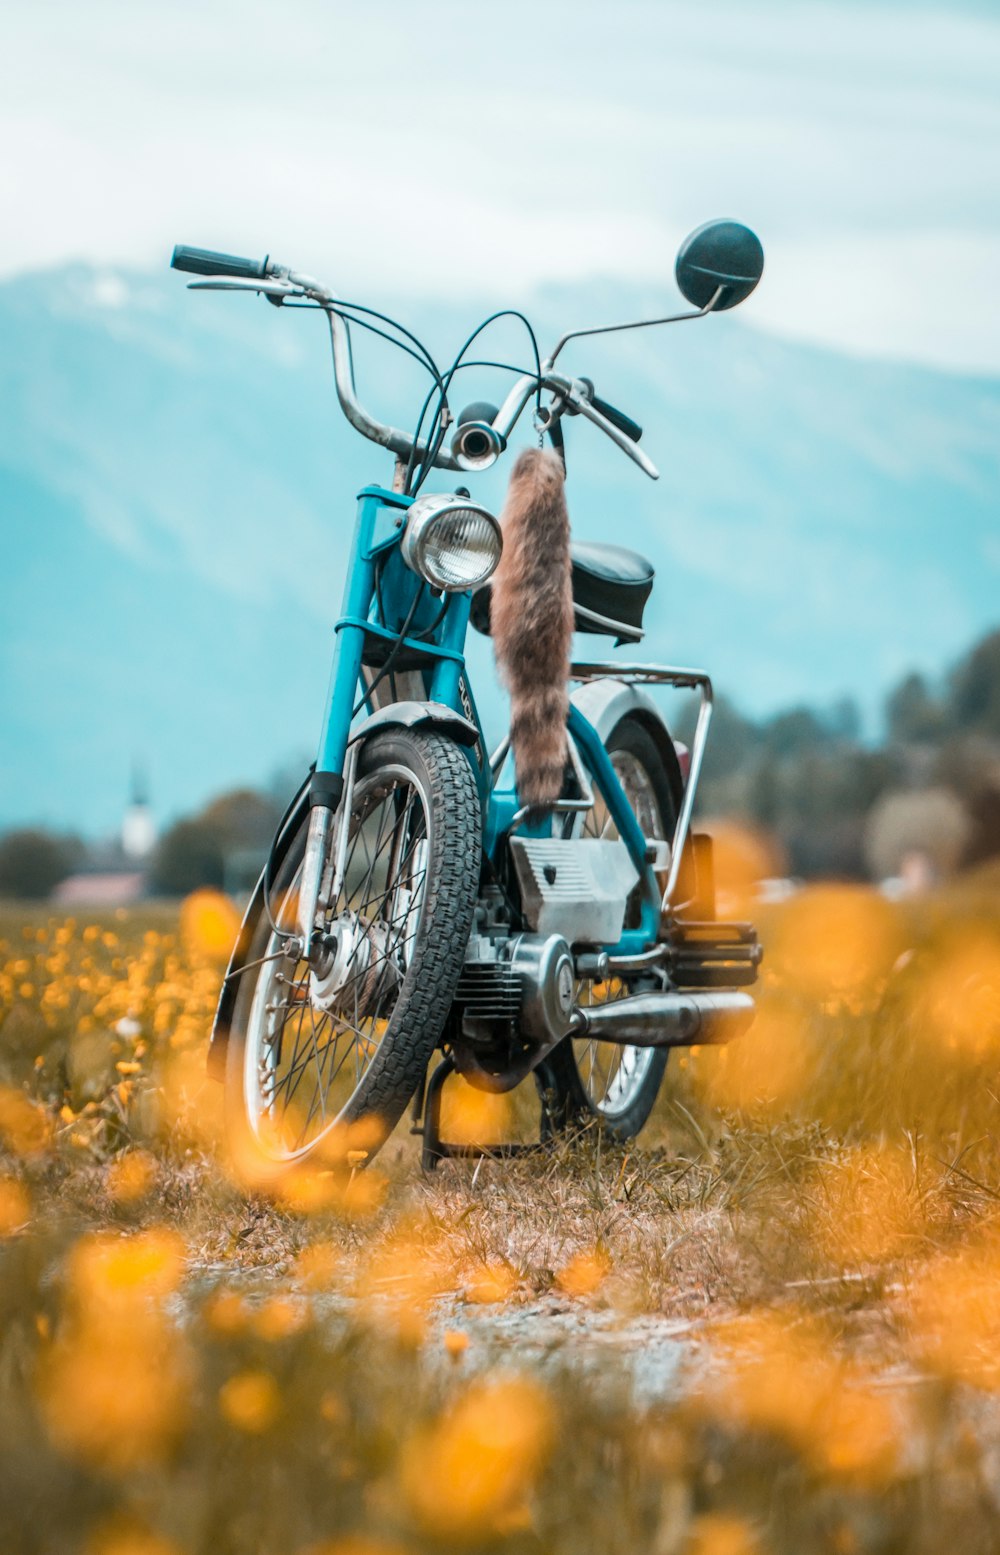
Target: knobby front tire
(314,1049)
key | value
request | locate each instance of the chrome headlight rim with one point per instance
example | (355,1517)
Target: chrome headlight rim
(422,516)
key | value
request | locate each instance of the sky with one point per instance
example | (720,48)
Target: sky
(444,149)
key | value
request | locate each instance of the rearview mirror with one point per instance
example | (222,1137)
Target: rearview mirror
(720,254)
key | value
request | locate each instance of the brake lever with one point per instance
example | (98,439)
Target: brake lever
(269,288)
(583,405)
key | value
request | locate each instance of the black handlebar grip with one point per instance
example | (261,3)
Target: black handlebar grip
(618,419)
(204,261)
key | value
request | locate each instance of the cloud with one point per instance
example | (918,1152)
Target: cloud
(430,149)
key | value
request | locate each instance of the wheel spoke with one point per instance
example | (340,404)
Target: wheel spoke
(611,1075)
(305,1046)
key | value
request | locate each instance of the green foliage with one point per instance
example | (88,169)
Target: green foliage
(975,689)
(806,777)
(197,850)
(912,713)
(33,861)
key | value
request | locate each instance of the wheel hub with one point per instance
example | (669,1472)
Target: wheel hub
(354,966)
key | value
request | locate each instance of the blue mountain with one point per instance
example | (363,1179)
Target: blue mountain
(176,500)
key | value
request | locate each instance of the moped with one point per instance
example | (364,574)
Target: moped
(547,909)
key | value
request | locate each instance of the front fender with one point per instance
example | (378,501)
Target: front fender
(420,715)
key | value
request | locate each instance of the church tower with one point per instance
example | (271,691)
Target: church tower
(138,828)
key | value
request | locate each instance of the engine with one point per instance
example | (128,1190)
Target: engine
(515,998)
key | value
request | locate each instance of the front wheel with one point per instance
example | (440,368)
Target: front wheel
(583,1081)
(346,1039)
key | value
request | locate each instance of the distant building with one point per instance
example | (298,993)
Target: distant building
(138,827)
(116,872)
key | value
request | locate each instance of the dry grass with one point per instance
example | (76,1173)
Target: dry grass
(188,1364)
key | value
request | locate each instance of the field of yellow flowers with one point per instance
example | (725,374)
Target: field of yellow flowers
(190,1364)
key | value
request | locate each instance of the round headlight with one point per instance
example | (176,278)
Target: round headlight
(451,542)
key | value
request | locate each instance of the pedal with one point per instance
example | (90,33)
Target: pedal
(713,955)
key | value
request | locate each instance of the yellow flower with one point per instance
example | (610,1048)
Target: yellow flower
(490,1282)
(209,924)
(15,1206)
(131,1176)
(716,1533)
(113,1389)
(227,1313)
(280,1317)
(26,1129)
(469,1471)
(250,1401)
(584,1272)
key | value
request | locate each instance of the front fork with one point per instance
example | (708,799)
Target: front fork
(328,832)
(321,822)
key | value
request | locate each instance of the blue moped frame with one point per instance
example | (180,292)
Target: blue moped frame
(372,611)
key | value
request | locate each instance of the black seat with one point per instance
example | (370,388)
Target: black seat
(610,588)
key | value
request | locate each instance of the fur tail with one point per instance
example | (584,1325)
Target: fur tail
(531,619)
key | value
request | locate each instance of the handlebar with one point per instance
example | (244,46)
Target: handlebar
(204,261)
(618,418)
(575,395)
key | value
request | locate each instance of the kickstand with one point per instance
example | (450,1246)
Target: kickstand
(435,1148)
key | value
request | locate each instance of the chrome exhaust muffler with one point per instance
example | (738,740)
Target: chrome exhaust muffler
(670,1018)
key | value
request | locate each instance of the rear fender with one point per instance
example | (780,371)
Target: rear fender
(605,702)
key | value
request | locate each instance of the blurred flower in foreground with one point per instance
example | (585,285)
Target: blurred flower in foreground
(355,1544)
(455,1342)
(334,1180)
(766,1071)
(15,1206)
(209,925)
(836,941)
(317,1265)
(24,1127)
(717,1533)
(279,1318)
(131,1176)
(584,1273)
(867,1205)
(489,1282)
(781,1375)
(473,1470)
(403,1275)
(955,1319)
(954,996)
(128,1538)
(742,857)
(226,1312)
(113,1386)
(470,1116)
(250,1401)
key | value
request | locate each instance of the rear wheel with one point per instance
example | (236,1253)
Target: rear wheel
(346,1039)
(584,1081)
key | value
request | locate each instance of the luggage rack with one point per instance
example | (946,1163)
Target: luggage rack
(680,680)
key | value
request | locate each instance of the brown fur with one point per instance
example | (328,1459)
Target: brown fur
(531,618)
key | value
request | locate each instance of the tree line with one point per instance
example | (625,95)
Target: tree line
(838,805)
(833,803)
